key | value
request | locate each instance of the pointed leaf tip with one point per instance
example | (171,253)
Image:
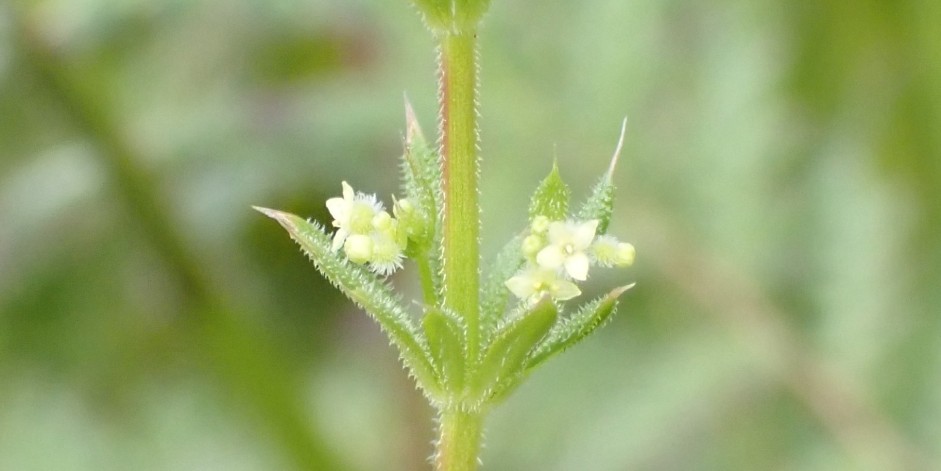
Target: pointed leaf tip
(551,198)
(412,129)
(266,211)
(283,218)
(617,150)
(617,292)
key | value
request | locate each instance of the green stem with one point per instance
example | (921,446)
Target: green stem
(458,85)
(459,440)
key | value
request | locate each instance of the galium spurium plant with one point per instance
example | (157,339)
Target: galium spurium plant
(476,337)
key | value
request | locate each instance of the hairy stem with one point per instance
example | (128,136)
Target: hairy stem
(458,85)
(459,440)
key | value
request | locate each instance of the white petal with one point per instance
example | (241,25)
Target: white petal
(584,233)
(565,290)
(339,208)
(338,239)
(559,232)
(550,257)
(521,286)
(577,266)
(347,191)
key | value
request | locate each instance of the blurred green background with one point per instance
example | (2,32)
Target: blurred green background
(781,180)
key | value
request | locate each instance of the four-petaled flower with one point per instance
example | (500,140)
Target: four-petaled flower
(560,252)
(352,214)
(568,246)
(534,282)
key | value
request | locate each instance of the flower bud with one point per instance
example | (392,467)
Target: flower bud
(539,225)
(532,244)
(625,254)
(382,222)
(358,248)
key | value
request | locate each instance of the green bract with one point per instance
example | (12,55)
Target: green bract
(551,199)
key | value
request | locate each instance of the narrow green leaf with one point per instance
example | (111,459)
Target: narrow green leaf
(493,292)
(367,291)
(505,358)
(446,344)
(573,329)
(421,177)
(600,204)
(551,198)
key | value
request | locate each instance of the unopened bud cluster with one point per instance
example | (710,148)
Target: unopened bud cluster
(368,234)
(559,253)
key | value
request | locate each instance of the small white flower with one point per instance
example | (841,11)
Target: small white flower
(367,233)
(608,252)
(352,214)
(568,242)
(534,282)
